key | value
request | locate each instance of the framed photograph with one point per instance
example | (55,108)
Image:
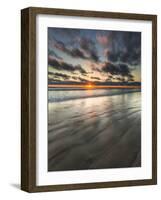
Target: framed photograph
(89,99)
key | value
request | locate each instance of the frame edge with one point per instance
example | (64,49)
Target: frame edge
(154,99)
(28,100)
(91,13)
(24,99)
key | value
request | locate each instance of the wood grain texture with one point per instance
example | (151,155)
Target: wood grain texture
(28,101)
(24,100)
(28,98)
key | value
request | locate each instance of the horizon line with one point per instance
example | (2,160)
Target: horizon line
(94,86)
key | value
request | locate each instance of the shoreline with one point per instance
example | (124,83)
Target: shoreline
(87,97)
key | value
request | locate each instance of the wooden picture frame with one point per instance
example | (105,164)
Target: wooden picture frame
(28,98)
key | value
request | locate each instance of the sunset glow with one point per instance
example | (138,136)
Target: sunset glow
(90,86)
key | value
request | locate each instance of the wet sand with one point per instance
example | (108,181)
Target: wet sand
(95,133)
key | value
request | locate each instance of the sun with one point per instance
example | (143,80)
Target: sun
(89,85)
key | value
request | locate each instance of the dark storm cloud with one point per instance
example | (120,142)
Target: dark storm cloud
(89,47)
(94,77)
(61,46)
(60,65)
(54,63)
(59,75)
(65,66)
(86,43)
(77,53)
(73,52)
(94,56)
(120,79)
(64,76)
(117,69)
(74,77)
(80,69)
(110,68)
(79,78)
(82,79)
(124,69)
(125,47)
(50,73)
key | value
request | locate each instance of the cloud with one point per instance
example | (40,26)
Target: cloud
(77,53)
(82,79)
(73,52)
(110,68)
(89,48)
(60,65)
(112,55)
(60,75)
(52,80)
(102,39)
(61,46)
(124,47)
(52,53)
(80,69)
(94,77)
(94,56)
(124,69)
(120,69)
(120,79)
(74,77)
(79,79)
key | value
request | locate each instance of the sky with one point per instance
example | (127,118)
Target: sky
(85,55)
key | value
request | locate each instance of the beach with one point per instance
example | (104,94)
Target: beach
(94,129)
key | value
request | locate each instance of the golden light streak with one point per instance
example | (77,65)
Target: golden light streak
(90,86)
